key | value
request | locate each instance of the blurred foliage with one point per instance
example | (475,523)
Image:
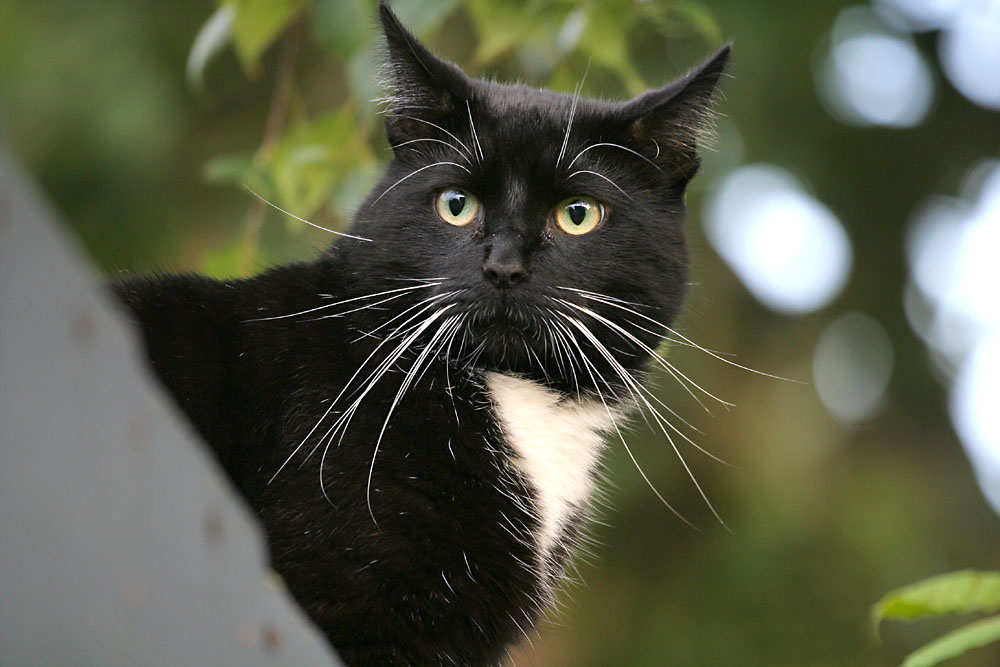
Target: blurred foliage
(955,593)
(257,23)
(955,643)
(143,122)
(963,592)
(309,164)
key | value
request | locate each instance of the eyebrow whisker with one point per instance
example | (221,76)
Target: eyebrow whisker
(414,173)
(599,175)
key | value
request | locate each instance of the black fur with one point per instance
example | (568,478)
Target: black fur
(431,560)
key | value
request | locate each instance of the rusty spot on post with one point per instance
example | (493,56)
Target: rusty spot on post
(213,527)
(270,639)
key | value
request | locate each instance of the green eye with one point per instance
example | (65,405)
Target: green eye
(457,207)
(579,215)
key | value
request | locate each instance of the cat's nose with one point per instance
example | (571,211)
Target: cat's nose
(504,267)
(504,274)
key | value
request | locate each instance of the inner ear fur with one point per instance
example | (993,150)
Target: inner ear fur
(670,124)
(421,88)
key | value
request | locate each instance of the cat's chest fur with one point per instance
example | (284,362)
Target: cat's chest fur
(556,443)
(478,491)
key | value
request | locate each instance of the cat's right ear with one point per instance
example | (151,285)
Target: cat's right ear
(422,88)
(669,125)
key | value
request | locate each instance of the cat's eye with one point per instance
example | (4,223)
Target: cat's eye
(457,206)
(579,215)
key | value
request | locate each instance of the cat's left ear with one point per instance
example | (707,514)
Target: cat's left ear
(670,124)
(422,88)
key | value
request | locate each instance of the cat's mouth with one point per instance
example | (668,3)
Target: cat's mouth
(503,322)
(503,334)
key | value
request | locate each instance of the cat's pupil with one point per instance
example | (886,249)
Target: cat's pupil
(577,212)
(456,203)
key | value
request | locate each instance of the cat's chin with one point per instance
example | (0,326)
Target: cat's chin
(505,339)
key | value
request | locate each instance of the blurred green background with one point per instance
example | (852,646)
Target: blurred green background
(143,143)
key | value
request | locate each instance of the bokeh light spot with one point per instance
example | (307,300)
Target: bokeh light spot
(852,367)
(872,76)
(952,249)
(919,15)
(786,247)
(969,51)
(974,401)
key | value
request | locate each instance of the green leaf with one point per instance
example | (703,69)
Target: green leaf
(605,39)
(208,43)
(974,635)
(500,24)
(258,23)
(312,158)
(961,592)
(237,169)
(231,168)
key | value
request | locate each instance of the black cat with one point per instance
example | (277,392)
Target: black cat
(417,416)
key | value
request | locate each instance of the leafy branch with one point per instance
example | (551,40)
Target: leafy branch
(962,592)
(323,165)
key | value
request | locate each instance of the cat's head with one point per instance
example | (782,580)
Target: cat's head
(537,212)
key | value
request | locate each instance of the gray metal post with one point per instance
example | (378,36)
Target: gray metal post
(121,543)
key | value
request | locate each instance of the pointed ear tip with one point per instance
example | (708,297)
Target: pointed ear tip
(714,65)
(386,14)
(396,35)
(722,55)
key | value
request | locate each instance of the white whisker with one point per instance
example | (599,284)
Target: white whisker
(368,306)
(447,365)
(420,280)
(572,114)
(636,389)
(343,422)
(437,297)
(602,296)
(589,367)
(727,361)
(436,141)
(417,171)
(683,339)
(599,298)
(333,403)
(593,339)
(407,381)
(427,122)
(475,135)
(594,173)
(666,365)
(310,223)
(444,331)
(340,303)
(637,154)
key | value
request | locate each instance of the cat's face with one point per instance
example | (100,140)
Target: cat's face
(542,216)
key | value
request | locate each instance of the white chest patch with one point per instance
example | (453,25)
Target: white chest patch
(557,445)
